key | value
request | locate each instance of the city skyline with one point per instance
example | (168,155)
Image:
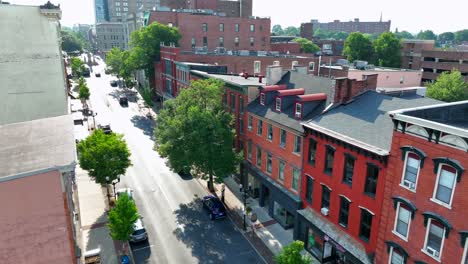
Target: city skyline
(400,12)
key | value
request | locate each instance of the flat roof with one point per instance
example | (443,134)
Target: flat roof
(233,79)
(32,73)
(37,145)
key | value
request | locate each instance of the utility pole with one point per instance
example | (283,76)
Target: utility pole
(244,192)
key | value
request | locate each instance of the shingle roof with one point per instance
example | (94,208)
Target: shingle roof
(366,119)
(311,84)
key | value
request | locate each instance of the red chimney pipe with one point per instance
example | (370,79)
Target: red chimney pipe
(260,78)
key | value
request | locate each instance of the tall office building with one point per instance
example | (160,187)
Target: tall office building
(101,10)
(120,9)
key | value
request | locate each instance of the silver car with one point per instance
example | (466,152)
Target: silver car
(139,232)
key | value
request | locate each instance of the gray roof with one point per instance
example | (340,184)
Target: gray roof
(311,84)
(365,118)
(32,74)
(233,79)
(36,145)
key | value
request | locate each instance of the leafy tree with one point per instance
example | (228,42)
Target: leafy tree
(195,132)
(427,34)
(446,36)
(83,90)
(104,156)
(291,254)
(277,30)
(119,63)
(339,35)
(291,31)
(70,42)
(307,46)
(449,87)
(387,50)
(461,35)
(77,66)
(404,35)
(122,218)
(358,47)
(320,33)
(146,45)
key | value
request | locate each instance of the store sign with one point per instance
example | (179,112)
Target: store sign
(334,243)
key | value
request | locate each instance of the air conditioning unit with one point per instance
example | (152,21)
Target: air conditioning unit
(432,252)
(294,63)
(324,211)
(409,184)
(276,63)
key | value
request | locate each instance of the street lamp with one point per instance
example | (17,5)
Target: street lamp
(107,188)
(244,192)
(114,183)
(93,114)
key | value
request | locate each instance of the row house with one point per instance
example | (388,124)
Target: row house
(344,170)
(426,187)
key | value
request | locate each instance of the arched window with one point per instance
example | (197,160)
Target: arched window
(417,130)
(454,141)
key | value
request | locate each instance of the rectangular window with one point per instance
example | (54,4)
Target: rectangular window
(125,9)
(434,239)
(366,224)
(194,43)
(269,161)
(233,102)
(259,156)
(249,150)
(396,257)
(221,27)
(344,212)
(278,104)
(241,104)
(270,132)
(117,3)
(241,126)
(281,170)
(204,27)
(402,221)
(221,41)
(250,123)
(311,66)
(282,138)
(252,28)
(236,27)
(205,41)
(297,145)
(259,127)
(295,179)
(329,158)
(236,41)
(465,253)
(257,67)
(252,41)
(309,188)
(445,184)
(372,177)
(312,151)
(262,98)
(410,173)
(348,169)
(298,110)
(325,197)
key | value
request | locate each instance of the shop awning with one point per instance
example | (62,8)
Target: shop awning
(339,236)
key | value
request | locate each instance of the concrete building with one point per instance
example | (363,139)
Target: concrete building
(353,26)
(206,31)
(109,35)
(422,55)
(424,209)
(119,9)
(229,8)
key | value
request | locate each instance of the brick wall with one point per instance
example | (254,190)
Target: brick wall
(348,88)
(286,47)
(307,31)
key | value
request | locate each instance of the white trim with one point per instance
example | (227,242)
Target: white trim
(465,252)
(323,184)
(61,169)
(436,186)
(459,142)
(394,231)
(391,254)
(403,173)
(363,208)
(428,227)
(349,200)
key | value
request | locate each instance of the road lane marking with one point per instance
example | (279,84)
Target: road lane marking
(138,249)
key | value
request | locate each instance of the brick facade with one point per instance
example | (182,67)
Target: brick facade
(239,8)
(353,26)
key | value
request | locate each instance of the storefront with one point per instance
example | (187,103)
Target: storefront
(326,242)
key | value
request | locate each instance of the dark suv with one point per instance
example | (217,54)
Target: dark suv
(123,100)
(215,206)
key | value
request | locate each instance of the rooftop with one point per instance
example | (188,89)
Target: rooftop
(232,79)
(37,145)
(32,77)
(371,68)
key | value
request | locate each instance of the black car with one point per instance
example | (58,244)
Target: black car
(214,206)
(123,100)
(106,128)
(113,83)
(97,74)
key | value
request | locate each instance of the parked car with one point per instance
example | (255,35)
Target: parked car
(139,232)
(214,206)
(97,74)
(114,83)
(106,128)
(128,191)
(123,100)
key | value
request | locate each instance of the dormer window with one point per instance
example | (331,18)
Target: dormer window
(298,110)
(262,98)
(278,104)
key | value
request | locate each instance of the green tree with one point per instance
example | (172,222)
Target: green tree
(449,87)
(70,42)
(320,33)
(291,31)
(427,34)
(461,35)
(446,36)
(120,63)
(104,156)
(77,66)
(146,45)
(387,50)
(358,47)
(122,218)
(307,46)
(339,35)
(83,90)
(277,30)
(195,132)
(291,254)
(404,35)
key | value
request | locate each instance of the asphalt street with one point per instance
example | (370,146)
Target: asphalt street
(179,229)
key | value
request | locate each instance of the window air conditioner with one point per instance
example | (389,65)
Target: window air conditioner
(409,184)
(276,63)
(324,211)
(432,252)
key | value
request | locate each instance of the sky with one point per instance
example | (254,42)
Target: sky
(409,15)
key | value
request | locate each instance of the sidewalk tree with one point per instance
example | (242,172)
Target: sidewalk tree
(387,50)
(122,218)
(83,90)
(291,254)
(104,156)
(449,87)
(307,46)
(77,66)
(358,47)
(195,132)
(120,64)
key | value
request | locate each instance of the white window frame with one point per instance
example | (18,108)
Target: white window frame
(394,231)
(117,3)
(403,173)
(281,179)
(298,179)
(250,123)
(391,255)
(313,66)
(257,66)
(428,227)
(262,98)
(278,100)
(465,252)
(268,132)
(436,186)
(296,140)
(296,113)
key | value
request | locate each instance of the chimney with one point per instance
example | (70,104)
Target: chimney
(345,89)
(260,78)
(273,74)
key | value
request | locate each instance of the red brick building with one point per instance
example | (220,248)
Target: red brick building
(239,8)
(207,32)
(424,209)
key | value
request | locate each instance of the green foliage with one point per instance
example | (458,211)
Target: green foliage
(72,41)
(461,35)
(404,35)
(446,36)
(291,31)
(358,47)
(146,94)
(449,87)
(122,218)
(146,45)
(291,254)
(427,35)
(277,30)
(83,90)
(119,63)
(324,34)
(104,156)
(387,50)
(195,132)
(307,46)
(77,66)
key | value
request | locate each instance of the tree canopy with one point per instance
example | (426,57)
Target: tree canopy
(77,66)
(449,87)
(83,90)
(446,36)
(387,50)
(291,31)
(426,34)
(404,35)
(358,47)
(307,46)
(195,132)
(324,34)
(291,254)
(122,218)
(120,63)
(277,30)
(461,35)
(104,156)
